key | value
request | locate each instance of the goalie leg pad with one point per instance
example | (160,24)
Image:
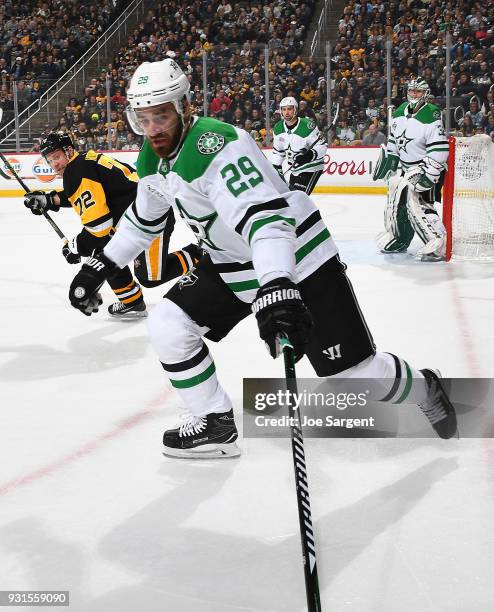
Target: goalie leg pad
(424,218)
(426,222)
(399,232)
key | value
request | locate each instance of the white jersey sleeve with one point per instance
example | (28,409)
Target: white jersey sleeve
(143,221)
(437,146)
(248,196)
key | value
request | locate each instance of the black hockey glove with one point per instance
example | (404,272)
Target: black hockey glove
(303,157)
(39,202)
(83,292)
(69,251)
(279,310)
(195,252)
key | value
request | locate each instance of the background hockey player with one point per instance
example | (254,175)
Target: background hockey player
(417,151)
(100,189)
(268,250)
(299,141)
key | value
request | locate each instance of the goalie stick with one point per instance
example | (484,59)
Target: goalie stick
(8,165)
(302,487)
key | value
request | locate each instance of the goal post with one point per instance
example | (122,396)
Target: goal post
(468,199)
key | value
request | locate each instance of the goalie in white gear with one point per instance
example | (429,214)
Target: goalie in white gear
(414,163)
(298,141)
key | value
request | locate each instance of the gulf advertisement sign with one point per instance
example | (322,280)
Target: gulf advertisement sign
(42,171)
(5,170)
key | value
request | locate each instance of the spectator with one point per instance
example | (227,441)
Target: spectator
(374,137)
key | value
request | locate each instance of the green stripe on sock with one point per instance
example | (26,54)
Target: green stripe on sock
(312,244)
(408,385)
(195,380)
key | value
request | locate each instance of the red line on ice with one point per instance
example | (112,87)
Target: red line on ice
(151,411)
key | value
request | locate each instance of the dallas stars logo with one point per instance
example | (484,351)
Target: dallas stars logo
(210,142)
(201,226)
(187,280)
(164,167)
(402,141)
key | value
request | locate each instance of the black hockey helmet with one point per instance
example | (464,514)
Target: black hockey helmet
(54,142)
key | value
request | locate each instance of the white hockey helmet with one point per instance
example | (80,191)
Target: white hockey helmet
(419,84)
(289,101)
(155,83)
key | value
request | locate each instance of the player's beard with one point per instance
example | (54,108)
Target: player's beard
(165,143)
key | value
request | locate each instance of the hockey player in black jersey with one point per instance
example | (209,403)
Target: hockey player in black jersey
(100,189)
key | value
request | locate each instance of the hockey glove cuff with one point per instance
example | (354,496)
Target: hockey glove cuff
(279,310)
(40,202)
(83,292)
(70,252)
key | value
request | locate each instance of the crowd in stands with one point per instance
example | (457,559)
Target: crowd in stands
(417,31)
(40,40)
(233,35)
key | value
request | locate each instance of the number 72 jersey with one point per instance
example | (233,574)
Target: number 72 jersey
(240,210)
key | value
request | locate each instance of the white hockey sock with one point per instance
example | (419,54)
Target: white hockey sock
(178,341)
(395,381)
(196,382)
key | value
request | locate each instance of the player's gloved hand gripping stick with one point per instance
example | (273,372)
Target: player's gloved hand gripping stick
(42,210)
(279,310)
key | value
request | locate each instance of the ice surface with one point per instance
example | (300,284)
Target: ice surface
(89,504)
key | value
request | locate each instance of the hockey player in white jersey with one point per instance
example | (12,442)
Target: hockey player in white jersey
(298,141)
(268,250)
(414,161)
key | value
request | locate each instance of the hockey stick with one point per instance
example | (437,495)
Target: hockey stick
(318,139)
(302,487)
(8,165)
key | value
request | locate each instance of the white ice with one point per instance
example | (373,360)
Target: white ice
(89,504)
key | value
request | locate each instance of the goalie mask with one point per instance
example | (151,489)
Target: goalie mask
(153,86)
(417,93)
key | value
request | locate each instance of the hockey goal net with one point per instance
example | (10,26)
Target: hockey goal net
(468,196)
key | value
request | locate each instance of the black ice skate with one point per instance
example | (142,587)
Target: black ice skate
(135,310)
(211,436)
(437,407)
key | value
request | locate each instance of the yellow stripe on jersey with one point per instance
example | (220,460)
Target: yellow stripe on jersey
(89,202)
(109,162)
(185,267)
(154,254)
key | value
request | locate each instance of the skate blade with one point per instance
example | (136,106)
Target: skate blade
(130,316)
(209,451)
